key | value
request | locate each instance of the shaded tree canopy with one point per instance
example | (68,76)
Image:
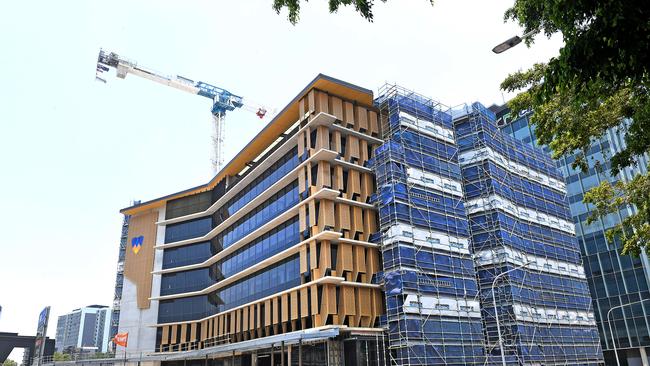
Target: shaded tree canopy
(363,7)
(599,82)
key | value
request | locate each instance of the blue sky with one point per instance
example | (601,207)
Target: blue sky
(74,151)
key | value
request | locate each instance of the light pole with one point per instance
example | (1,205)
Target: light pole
(494,304)
(610,326)
(511,42)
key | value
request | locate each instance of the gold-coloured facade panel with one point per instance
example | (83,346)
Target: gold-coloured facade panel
(138,262)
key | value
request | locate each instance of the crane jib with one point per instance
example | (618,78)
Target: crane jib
(222,100)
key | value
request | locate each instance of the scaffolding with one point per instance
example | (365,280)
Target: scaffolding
(524,245)
(432,299)
(119,277)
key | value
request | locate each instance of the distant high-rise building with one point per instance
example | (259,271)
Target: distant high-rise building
(86,327)
(614,279)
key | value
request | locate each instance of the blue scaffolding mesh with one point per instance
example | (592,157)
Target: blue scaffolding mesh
(432,296)
(524,245)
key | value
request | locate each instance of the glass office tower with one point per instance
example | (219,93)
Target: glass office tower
(613,279)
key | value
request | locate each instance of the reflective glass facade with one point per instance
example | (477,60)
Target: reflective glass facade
(276,278)
(270,280)
(182,283)
(188,254)
(273,242)
(187,229)
(279,169)
(278,203)
(613,279)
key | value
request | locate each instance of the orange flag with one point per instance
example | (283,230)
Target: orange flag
(121,339)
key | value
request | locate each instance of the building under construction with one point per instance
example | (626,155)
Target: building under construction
(355,231)
(432,307)
(617,282)
(534,295)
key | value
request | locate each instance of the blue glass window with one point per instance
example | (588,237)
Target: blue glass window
(279,169)
(188,229)
(279,277)
(278,203)
(282,237)
(187,308)
(187,254)
(186,281)
(285,275)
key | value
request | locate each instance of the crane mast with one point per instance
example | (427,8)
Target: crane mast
(222,100)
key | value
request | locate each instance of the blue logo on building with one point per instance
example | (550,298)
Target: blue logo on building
(136,243)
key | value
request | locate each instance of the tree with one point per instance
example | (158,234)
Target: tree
(635,229)
(9,362)
(58,356)
(363,7)
(600,81)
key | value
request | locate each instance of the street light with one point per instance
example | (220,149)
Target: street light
(494,304)
(610,326)
(511,42)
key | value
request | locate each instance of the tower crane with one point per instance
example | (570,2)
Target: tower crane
(222,100)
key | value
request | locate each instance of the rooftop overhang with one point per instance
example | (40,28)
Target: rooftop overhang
(280,123)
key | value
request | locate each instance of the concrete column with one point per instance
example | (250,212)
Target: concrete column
(300,352)
(289,355)
(644,356)
(254,359)
(282,353)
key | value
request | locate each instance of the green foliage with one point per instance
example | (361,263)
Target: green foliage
(363,7)
(58,356)
(99,355)
(9,362)
(609,198)
(599,81)
(570,121)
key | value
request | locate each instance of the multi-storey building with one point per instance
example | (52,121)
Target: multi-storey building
(433,312)
(295,254)
(534,293)
(614,279)
(272,258)
(85,328)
